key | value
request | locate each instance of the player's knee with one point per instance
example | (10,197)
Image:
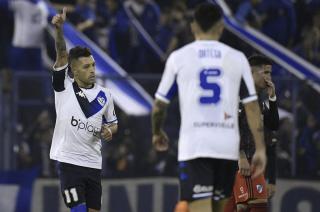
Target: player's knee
(182,206)
(79,208)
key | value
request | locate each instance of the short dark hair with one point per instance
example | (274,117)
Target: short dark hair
(77,52)
(258,60)
(206,15)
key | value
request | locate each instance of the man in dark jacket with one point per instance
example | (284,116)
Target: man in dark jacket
(253,194)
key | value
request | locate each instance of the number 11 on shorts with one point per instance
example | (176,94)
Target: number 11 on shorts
(73,193)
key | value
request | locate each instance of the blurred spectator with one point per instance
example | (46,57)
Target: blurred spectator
(275,18)
(106,12)
(280,21)
(110,15)
(247,13)
(120,160)
(34,150)
(121,41)
(147,13)
(305,10)
(30,20)
(309,48)
(119,157)
(307,149)
(174,30)
(83,17)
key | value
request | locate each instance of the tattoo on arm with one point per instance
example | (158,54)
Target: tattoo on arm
(61,49)
(158,116)
(60,43)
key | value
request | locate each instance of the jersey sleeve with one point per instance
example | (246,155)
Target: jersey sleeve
(168,86)
(247,89)
(60,78)
(110,116)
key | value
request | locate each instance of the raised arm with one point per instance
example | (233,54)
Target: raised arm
(61,49)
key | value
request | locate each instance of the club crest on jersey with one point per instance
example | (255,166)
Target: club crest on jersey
(259,188)
(101,100)
(81,94)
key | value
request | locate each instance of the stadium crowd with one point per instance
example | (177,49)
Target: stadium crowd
(293,24)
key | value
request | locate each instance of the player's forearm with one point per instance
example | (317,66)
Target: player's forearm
(255,124)
(158,116)
(61,48)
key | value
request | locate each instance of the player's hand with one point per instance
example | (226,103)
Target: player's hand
(59,18)
(271,88)
(106,133)
(271,189)
(244,166)
(160,141)
(258,163)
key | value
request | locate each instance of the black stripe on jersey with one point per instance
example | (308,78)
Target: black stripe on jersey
(89,108)
(58,80)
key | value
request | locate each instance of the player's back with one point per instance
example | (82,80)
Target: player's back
(208,75)
(208,78)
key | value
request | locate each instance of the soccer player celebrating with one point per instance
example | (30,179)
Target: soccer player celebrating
(208,75)
(252,194)
(85,114)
